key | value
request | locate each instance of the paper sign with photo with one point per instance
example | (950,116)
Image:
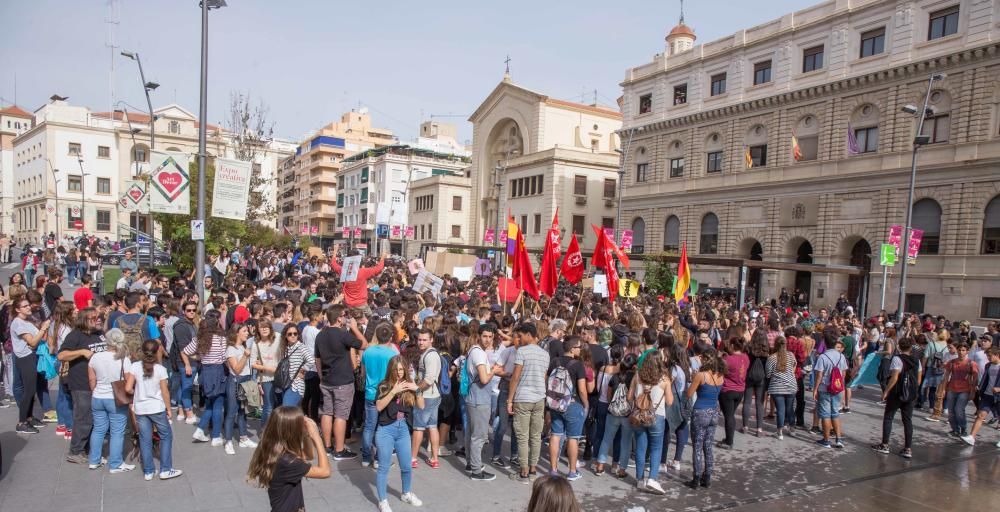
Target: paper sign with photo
(349,269)
(601,284)
(427,282)
(415,265)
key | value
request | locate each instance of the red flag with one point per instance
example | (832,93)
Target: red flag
(604,258)
(600,251)
(549,276)
(572,265)
(522,273)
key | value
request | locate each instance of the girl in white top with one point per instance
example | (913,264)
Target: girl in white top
(651,377)
(147,380)
(264,359)
(103,369)
(238,364)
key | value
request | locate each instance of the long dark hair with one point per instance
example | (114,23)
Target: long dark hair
(150,351)
(285,432)
(209,327)
(283,342)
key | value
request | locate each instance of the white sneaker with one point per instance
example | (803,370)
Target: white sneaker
(654,487)
(969,440)
(411,498)
(640,485)
(383,506)
(229,447)
(147,477)
(217,441)
(675,465)
(173,473)
(247,443)
(663,467)
(192,420)
(124,468)
(199,435)
(180,416)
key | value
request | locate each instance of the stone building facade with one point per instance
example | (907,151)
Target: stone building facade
(717,169)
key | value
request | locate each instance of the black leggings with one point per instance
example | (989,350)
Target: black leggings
(729,401)
(754,392)
(800,404)
(892,405)
(28,368)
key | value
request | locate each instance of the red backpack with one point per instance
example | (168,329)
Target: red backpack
(836,385)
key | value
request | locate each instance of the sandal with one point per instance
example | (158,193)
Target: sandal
(599,469)
(621,473)
(414,463)
(434,464)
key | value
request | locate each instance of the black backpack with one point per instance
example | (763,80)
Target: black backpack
(908,385)
(283,375)
(757,373)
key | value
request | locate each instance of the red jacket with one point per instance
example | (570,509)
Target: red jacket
(356,292)
(795,346)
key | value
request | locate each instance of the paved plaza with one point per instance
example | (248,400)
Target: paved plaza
(759,474)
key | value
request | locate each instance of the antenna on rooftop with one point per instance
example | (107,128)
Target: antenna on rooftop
(682,12)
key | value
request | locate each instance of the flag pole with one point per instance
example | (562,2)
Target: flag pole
(579,304)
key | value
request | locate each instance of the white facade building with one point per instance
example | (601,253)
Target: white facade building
(13,122)
(438,211)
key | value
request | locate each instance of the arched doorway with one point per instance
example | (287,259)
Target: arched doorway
(803,279)
(861,256)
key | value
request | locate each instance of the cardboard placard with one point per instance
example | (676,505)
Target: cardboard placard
(462,273)
(601,284)
(415,265)
(628,288)
(427,281)
(483,267)
(349,269)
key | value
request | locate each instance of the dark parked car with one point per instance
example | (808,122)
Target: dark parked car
(115,257)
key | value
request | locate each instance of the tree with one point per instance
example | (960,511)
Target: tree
(252,131)
(659,274)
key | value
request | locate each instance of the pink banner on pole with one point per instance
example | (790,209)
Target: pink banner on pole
(627,239)
(610,232)
(345,232)
(916,236)
(410,232)
(503,238)
(895,236)
(315,230)
(357,232)
(489,236)
(305,229)
(396,230)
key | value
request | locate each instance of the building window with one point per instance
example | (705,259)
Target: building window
(609,188)
(991,228)
(812,59)
(538,223)
(71,219)
(456,203)
(758,155)
(943,23)
(607,223)
(914,303)
(680,94)
(580,185)
(762,72)
(74,148)
(991,307)
(808,147)
(424,203)
(676,167)
(104,220)
(456,231)
(364,175)
(927,217)
(718,84)
(645,103)
(641,172)
(364,196)
(714,161)
(340,200)
(524,223)
(103,185)
(74,183)
(139,155)
(340,182)
(938,128)
(527,186)
(174,127)
(578,224)
(672,234)
(103,152)
(709,234)
(873,42)
(867,139)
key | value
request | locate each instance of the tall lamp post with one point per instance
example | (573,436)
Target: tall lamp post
(918,140)
(199,255)
(83,195)
(146,87)
(56,180)
(621,181)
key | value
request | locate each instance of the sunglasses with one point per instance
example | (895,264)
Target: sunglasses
(190,310)
(293,333)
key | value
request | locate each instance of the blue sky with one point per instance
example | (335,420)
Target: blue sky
(311,60)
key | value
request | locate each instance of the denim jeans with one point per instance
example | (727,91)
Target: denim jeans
(681,435)
(64,408)
(368,434)
(42,392)
(71,273)
(213,414)
(107,415)
(612,426)
(146,422)
(649,437)
(500,426)
(389,438)
(267,403)
(235,413)
(174,385)
(289,397)
(956,402)
(595,433)
(187,382)
(784,405)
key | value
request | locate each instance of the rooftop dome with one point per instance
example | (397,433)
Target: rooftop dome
(681,30)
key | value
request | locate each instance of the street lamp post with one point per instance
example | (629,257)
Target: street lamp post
(83,195)
(918,140)
(56,180)
(146,87)
(621,183)
(137,172)
(199,255)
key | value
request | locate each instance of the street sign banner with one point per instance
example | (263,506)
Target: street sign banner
(357,232)
(489,236)
(197,229)
(916,236)
(75,210)
(410,232)
(895,236)
(397,231)
(77,224)
(170,182)
(627,240)
(231,193)
(382,230)
(304,230)
(315,230)
(345,232)
(888,255)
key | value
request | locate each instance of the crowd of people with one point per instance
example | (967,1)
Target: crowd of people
(283,360)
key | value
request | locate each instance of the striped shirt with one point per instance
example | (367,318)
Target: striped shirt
(534,363)
(299,358)
(216,351)
(782,381)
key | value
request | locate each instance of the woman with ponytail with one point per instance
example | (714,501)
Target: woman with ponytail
(147,380)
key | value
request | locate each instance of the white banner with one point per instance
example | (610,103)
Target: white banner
(349,269)
(170,184)
(232,189)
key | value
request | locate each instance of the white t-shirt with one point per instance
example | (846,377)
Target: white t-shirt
(309,333)
(148,395)
(17,328)
(108,369)
(237,353)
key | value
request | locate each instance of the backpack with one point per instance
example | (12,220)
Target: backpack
(908,385)
(133,334)
(465,379)
(619,405)
(836,384)
(644,412)
(757,373)
(559,389)
(443,382)
(283,376)
(935,364)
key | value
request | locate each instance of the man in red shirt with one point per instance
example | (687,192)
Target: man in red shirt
(83,297)
(356,292)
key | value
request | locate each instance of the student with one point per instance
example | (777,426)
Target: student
(707,386)
(335,346)
(568,423)
(553,494)
(103,369)
(782,385)
(903,363)
(425,417)
(237,358)
(527,399)
(396,398)
(25,339)
(737,364)
(960,380)
(989,396)
(479,373)
(828,404)
(264,359)
(147,380)
(289,444)
(653,387)
(210,348)
(374,361)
